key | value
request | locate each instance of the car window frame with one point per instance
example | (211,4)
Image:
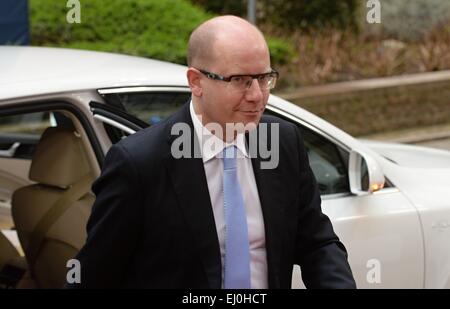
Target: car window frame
(113,102)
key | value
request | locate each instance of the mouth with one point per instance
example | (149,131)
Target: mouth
(251,112)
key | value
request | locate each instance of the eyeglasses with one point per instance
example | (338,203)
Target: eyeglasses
(242,83)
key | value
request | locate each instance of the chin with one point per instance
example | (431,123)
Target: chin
(251,124)
(253,118)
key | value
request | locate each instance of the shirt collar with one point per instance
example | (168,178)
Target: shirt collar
(210,145)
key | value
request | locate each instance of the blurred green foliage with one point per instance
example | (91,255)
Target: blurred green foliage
(281,52)
(307,14)
(150,28)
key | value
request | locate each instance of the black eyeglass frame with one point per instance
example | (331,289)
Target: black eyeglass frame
(215,76)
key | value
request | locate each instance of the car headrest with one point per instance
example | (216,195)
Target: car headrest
(59,159)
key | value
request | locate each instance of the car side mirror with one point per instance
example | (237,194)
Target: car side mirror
(365,174)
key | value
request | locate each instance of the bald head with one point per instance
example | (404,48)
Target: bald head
(209,40)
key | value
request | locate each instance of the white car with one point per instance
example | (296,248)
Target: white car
(389,203)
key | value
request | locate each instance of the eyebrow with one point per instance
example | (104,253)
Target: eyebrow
(248,74)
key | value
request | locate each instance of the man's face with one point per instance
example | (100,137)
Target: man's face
(221,102)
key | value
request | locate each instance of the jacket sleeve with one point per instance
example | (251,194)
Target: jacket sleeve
(320,254)
(114,224)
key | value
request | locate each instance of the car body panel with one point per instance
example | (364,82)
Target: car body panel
(26,71)
(428,190)
(411,155)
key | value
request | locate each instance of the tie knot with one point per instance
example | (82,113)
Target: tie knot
(229,158)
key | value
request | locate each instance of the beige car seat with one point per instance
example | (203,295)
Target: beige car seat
(51,215)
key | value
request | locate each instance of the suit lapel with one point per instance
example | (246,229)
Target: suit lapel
(189,180)
(269,187)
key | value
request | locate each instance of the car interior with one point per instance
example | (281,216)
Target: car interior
(50,213)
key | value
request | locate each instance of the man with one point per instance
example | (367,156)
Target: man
(218,220)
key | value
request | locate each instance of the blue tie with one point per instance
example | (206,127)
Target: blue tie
(237,250)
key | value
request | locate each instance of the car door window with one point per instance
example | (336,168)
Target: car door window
(328,161)
(20,134)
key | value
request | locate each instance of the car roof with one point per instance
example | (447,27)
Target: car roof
(29,71)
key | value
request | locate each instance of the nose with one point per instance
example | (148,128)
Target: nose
(254,93)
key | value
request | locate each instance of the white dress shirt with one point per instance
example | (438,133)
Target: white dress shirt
(213,164)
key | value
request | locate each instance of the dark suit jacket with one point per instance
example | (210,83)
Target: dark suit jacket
(152,224)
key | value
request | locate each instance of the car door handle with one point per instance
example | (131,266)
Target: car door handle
(11,151)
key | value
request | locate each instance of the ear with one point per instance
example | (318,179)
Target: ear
(194,80)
